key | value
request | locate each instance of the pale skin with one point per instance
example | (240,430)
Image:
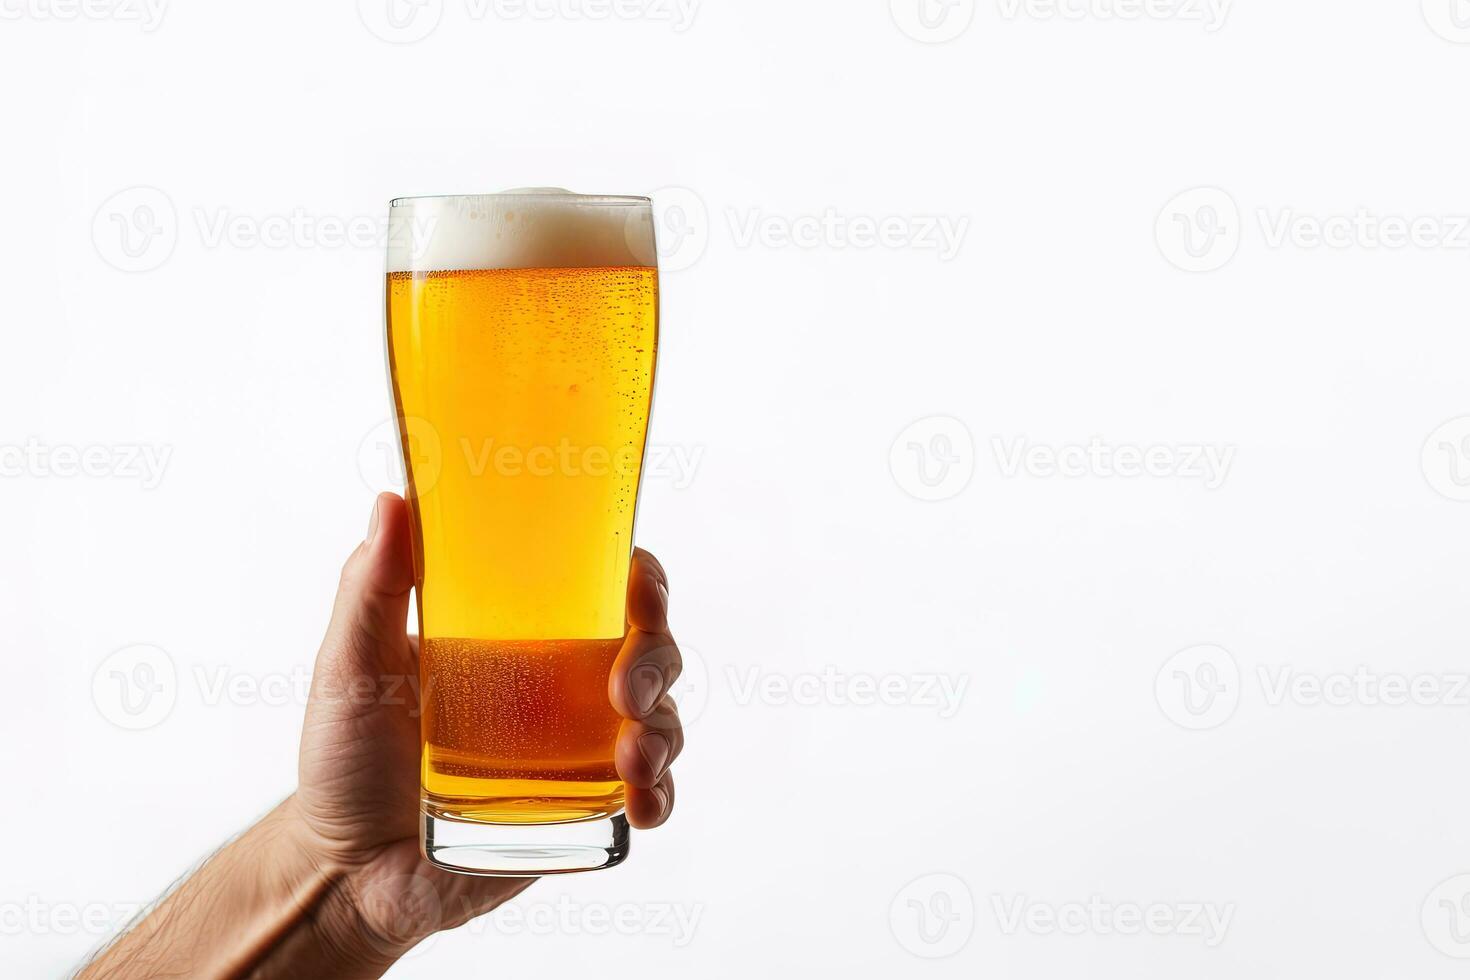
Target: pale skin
(331,883)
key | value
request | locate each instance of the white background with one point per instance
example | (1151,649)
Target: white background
(1072,769)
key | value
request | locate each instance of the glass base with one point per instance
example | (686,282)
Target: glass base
(506,850)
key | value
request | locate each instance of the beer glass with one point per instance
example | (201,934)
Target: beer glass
(522,329)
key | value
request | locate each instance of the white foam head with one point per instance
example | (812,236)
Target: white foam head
(528,228)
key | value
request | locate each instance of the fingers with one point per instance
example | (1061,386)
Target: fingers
(368,630)
(648,594)
(646,667)
(651,737)
(647,808)
(645,749)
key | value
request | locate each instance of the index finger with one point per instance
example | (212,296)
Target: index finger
(648,593)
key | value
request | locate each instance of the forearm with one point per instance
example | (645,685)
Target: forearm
(263,906)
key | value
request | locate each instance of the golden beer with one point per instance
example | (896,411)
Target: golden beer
(522,375)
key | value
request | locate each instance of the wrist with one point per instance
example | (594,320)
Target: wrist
(369,913)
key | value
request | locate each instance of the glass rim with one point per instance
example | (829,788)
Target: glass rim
(558,197)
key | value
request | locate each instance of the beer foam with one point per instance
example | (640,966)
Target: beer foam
(528,228)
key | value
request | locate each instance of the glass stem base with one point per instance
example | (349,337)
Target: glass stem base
(506,850)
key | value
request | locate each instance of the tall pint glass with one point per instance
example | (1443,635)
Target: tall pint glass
(522,331)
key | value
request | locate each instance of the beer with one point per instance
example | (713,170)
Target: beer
(522,332)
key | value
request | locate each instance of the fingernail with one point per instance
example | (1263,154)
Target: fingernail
(663,594)
(655,750)
(662,795)
(648,683)
(372,525)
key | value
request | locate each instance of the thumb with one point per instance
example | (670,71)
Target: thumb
(368,634)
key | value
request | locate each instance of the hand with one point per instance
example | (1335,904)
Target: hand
(331,884)
(357,802)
